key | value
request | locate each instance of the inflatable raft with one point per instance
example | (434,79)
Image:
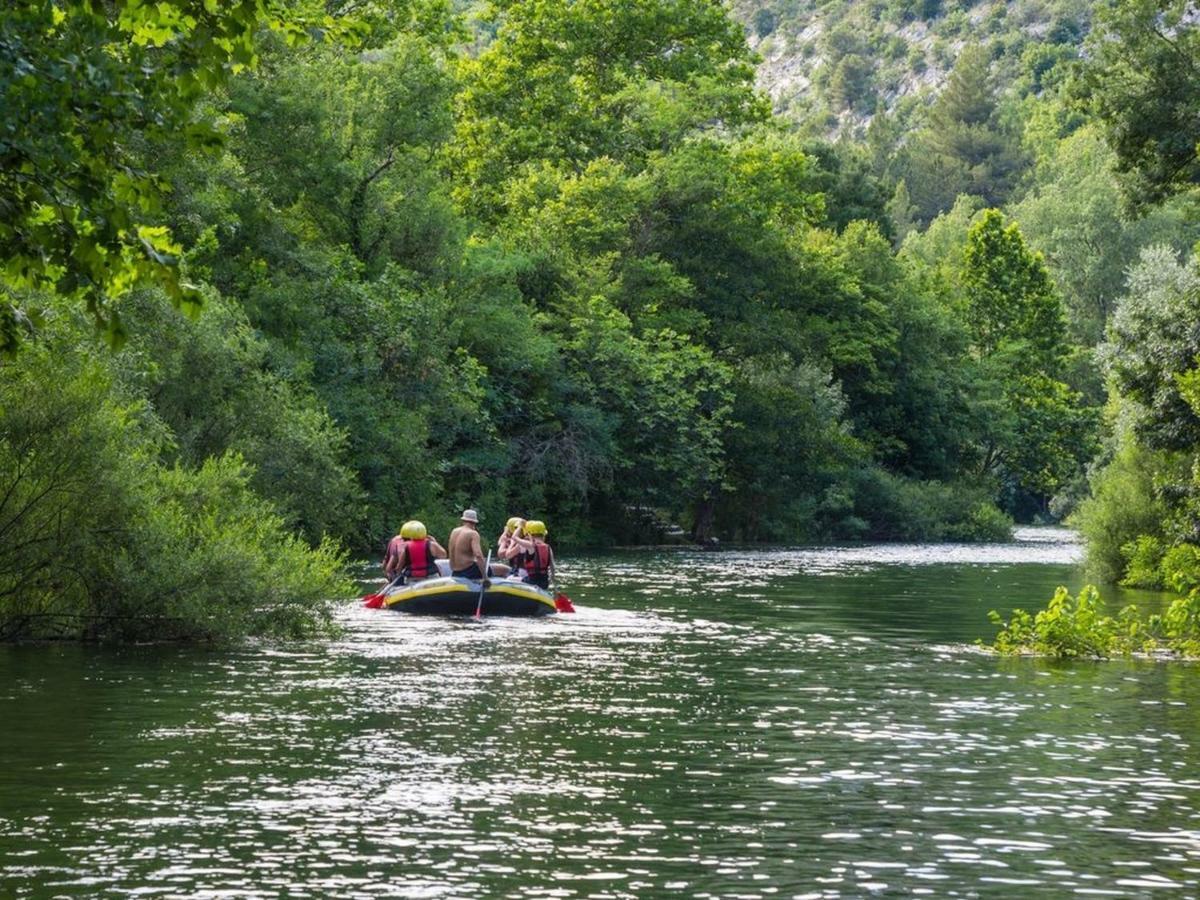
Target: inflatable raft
(447,596)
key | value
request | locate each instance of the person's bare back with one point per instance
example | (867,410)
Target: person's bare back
(465,548)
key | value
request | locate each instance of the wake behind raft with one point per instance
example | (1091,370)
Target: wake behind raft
(450,596)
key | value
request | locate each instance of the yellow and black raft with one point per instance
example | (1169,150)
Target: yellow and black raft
(460,597)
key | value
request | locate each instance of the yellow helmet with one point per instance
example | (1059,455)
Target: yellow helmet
(513,525)
(413,531)
(535,528)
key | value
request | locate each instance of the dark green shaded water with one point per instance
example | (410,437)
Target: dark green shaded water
(764,724)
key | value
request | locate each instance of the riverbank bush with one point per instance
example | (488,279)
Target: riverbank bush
(209,559)
(100,539)
(1078,627)
(1122,514)
(902,509)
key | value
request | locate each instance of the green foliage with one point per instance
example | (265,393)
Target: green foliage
(1142,521)
(213,561)
(1077,627)
(789,450)
(1071,628)
(1153,339)
(851,85)
(104,541)
(1142,83)
(1123,510)
(1041,433)
(69,450)
(82,85)
(1143,561)
(909,510)
(294,450)
(965,148)
(1074,218)
(852,192)
(1010,297)
(576,271)
(765,22)
(563,84)
(345,142)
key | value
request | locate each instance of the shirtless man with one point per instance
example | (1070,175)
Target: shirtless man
(466,553)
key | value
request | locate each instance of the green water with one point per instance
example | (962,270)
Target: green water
(805,723)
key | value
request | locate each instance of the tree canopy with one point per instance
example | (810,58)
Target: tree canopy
(361,263)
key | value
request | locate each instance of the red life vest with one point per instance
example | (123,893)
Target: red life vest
(537,561)
(420,559)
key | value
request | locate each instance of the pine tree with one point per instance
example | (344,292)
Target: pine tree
(964,149)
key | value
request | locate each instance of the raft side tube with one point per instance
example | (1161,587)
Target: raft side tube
(460,597)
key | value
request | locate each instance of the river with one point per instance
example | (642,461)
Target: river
(767,723)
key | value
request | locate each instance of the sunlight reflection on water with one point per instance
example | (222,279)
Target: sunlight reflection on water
(764,723)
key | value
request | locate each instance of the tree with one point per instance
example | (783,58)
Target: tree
(852,192)
(789,447)
(1154,340)
(1074,217)
(565,83)
(968,98)
(1039,434)
(851,84)
(346,144)
(1010,296)
(1142,79)
(964,148)
(102,539)
(84,85)
(900,211)
(765,22)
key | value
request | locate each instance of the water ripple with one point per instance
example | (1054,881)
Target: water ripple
(772,723)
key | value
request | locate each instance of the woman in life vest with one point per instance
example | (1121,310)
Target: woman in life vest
(503,543)
(411,553)
(513,544)
(539,561)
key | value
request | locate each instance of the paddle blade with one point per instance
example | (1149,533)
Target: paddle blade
(373,601)
(563,603)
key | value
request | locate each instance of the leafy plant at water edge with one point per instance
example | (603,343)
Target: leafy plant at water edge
(1077,627)
(1070,627)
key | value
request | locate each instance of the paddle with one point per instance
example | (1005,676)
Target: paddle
(483,583)
(562,603)
(375,601)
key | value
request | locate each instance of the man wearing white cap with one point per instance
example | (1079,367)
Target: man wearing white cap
(466,553)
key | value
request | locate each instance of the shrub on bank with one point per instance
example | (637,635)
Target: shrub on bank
(1074,627)
(1123,510)
(903,509)
(215,561)
(101,540)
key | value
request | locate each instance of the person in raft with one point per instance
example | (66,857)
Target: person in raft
(466,553)
(513,544)
(411,553)
(513,526)
(539,561)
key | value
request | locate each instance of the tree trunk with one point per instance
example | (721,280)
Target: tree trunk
(705,512)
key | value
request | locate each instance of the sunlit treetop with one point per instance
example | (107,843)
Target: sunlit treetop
(85,86)
(564,83)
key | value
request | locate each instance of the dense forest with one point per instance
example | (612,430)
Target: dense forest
(275,277)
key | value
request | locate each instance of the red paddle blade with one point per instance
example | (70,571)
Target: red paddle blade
(563,603)
(373,601)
